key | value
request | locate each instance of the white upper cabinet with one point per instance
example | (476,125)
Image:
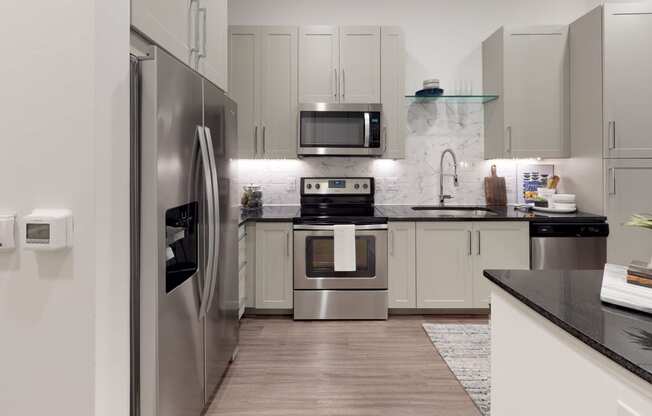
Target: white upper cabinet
(339,64)
(170,23)
(319,63)
(244,75)
(213,44)
(194,31)
(628,192)
(278,96)
(392,90)
(263,81)
(528,67)
(627,80)
(360,64)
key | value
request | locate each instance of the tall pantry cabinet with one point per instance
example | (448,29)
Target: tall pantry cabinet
(611,97)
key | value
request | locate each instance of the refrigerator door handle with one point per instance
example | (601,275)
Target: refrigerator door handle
(210,200)
(216,216)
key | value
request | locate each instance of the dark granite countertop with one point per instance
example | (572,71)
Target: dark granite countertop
(274,213)
(571,300)
(406,213)
(282,213)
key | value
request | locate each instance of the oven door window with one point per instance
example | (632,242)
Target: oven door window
(332,129)
(320,259)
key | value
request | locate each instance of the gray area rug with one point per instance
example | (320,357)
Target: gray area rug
(466,348)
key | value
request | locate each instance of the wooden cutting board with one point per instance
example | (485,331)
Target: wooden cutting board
(495,191)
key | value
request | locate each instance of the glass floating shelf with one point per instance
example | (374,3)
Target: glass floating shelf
(461,99)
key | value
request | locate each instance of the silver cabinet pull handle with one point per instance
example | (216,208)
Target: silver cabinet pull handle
(202,11)
(194,48)
(256,139)
(391,243)
(264,131)
(508,145)
(612,181)
(384,139)
(479,237)
(343,84)
(287,244)
(335,86)
(612,134)
(470,243)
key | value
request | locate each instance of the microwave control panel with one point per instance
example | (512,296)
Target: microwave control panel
(337,186)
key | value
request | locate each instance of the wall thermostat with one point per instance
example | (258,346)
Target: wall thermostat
(48,229)
(7,231)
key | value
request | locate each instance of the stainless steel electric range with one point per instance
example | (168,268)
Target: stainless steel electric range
(320,290)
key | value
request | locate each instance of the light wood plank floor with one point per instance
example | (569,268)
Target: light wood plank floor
(288,368)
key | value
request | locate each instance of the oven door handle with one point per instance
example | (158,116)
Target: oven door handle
(308,227)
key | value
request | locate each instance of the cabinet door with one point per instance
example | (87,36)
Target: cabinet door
(402,265)
(319,62)
(274,266)
(628,80)
(278,91)
(213,43)
(244,80)
(392,89)
(170,23)
(497,245)
(536,92)
(360,64)
(628,192)
(444,265)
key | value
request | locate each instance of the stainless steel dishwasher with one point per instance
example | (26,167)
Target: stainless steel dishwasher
(568,246)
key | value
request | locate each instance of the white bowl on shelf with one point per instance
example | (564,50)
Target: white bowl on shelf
(564,206)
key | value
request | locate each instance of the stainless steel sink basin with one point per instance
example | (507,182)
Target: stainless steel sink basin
(456,211)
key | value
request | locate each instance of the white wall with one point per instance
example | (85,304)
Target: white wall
(63,130)
(443,37)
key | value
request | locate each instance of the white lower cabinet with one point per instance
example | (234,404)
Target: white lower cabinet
(242,270)
(274,259)
(444,265)
(449,259)
(497,245)
(401,264)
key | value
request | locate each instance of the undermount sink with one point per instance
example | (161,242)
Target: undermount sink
(453,211)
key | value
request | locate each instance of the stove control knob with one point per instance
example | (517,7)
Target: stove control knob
(365,186)
(317,186)
(309,186)
(356,186)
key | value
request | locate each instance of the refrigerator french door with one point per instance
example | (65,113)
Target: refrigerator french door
(188,302)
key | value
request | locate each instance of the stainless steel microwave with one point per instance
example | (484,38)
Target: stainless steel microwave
(337,129)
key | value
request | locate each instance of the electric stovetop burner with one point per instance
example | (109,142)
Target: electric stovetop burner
(329,201)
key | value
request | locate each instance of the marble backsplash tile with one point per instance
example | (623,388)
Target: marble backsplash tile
(432,128)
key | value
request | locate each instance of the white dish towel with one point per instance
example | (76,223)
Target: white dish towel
(344,247)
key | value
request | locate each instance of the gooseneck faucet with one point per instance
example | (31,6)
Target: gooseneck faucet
(442,197)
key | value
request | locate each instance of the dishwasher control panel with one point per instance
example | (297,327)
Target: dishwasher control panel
(573,229)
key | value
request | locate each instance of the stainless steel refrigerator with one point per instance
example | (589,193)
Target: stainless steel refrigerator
(184,237)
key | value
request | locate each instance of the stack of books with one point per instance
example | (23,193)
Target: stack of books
(638,273)
(616,290)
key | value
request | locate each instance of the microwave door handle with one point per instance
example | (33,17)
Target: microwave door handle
(367,126)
